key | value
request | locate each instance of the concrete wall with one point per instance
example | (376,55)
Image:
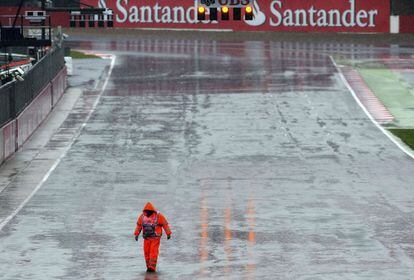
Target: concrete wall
(34,114)
(59,84)
(9,138)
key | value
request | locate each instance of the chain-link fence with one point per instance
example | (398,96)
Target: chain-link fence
(15,96)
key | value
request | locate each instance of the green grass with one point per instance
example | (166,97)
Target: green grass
(81,55)
(406,135)
(393,91)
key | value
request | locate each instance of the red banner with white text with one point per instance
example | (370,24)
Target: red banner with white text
(269,15)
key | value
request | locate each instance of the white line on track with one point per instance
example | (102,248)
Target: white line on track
(383,130)
(47,175)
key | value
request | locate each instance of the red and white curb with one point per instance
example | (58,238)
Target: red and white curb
(390,136)
(370,101)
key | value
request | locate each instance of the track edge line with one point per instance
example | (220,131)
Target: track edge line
(58,160)
(382,129)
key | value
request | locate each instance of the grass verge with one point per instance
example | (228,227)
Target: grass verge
(393,91)
(391,88)
(81,55)
(406,135)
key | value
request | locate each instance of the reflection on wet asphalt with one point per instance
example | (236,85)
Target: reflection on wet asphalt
(256,153)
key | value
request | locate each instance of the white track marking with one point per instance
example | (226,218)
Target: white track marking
(47,175)
(383,130)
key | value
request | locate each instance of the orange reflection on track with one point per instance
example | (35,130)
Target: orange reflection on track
(204,231)
(251,239)
(227,238)
(151,276)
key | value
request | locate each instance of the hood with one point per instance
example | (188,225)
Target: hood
(149,207)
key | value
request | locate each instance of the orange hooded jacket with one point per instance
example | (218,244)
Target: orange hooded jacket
(162,221)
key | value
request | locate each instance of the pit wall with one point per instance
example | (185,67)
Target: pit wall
(16,132)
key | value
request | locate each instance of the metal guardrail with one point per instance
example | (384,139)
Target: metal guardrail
(16,95)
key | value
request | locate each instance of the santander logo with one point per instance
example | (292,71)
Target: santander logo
(259,18)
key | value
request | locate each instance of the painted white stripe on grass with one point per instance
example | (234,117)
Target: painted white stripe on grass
(47,175)
(383,130)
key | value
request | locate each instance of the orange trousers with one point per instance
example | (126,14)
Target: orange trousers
(151,249)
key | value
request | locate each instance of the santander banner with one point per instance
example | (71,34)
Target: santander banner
(269,15)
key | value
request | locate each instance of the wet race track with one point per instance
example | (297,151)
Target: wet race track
(256,152)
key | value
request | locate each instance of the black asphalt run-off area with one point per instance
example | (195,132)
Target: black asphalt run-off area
(255,151)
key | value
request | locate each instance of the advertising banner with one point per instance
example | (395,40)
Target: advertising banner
(269,15)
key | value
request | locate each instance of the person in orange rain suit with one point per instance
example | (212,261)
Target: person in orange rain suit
(151,222)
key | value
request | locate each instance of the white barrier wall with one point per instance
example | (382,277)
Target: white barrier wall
(395,24)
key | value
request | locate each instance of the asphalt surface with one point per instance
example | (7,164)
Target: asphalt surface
(255,151)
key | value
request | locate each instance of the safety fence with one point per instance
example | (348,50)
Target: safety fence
(25,104)
(15,96)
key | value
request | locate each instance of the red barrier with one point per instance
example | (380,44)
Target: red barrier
(34,114)
(406,24)
(269,15)
(9,139)
(59,84)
